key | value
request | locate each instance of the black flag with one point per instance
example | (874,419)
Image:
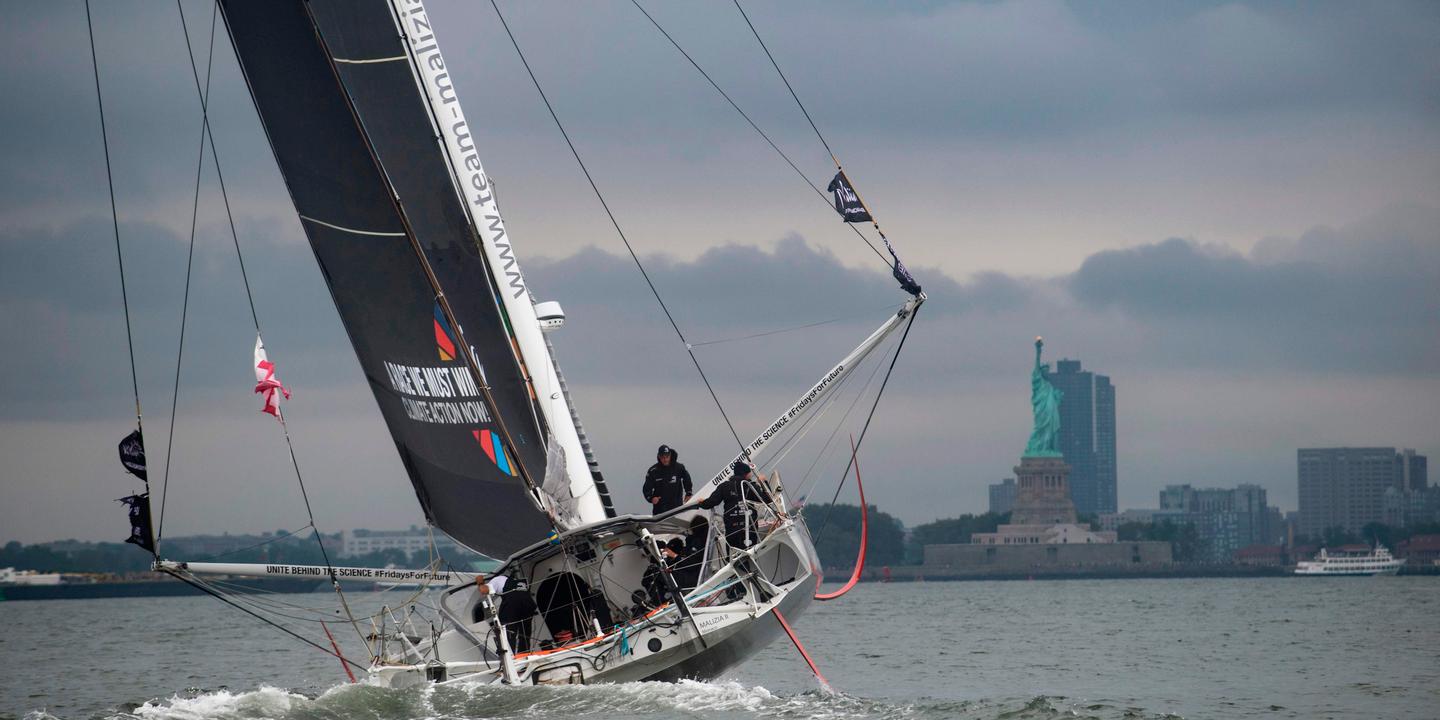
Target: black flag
(902,274)
(132,454)
(140,532)
(847,203)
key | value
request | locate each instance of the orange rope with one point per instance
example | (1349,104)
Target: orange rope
(823,682)
(864,533)
(333,644)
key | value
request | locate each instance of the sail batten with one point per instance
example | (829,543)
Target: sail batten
(479,201)
(397,250)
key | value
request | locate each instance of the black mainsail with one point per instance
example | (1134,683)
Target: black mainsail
(339,102)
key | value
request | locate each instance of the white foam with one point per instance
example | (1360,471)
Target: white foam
(264,702)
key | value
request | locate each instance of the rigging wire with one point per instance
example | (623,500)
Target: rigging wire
(786,80)
(228,601)
(115,224)
(780,331)
(185,302)
(285,428)
(262,543)
(803,488)
(821,193)
(864,428)
(897,266)
(616,223)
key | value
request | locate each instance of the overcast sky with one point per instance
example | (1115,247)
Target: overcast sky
(1233,210)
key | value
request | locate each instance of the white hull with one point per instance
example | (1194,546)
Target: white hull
(731,622)
(1376,562)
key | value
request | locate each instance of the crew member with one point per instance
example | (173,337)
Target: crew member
(654,578)
(688,566)
(667,482)
(568,603)
(517,607)
(736,494)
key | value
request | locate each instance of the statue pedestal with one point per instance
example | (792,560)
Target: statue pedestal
(1043,494)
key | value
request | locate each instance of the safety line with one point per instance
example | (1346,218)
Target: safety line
(616,223)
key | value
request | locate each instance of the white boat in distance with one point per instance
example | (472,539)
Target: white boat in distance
(1351,561)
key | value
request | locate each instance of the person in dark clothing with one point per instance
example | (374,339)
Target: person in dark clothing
(667,482)
(736,494)
(656,593)
(688,566)
(517,607)
(567,603)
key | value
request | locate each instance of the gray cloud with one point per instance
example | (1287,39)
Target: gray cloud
(1359,299)
(60,294)
(1142,315)
(1020,139)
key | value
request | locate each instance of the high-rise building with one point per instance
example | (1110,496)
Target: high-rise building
(1345,487)
(1226,519)
(1002,496)
(1412,471)
(1087,436)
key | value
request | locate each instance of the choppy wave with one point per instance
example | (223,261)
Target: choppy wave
(633,700)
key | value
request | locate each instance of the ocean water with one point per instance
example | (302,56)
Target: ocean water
(1204,648)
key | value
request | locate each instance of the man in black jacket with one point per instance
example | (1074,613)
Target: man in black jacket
(690,554)
(737,493)
(667,482)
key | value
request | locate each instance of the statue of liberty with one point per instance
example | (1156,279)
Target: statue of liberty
(1045,403)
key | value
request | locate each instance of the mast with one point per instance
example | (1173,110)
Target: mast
(475,189)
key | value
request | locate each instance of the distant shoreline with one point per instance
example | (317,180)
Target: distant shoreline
(921,573)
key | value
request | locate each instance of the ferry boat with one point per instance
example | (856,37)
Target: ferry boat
(1351,561)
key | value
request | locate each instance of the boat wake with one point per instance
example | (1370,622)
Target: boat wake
(630,700)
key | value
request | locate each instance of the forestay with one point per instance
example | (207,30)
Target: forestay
(352,133)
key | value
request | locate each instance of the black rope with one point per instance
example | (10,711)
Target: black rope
(786,81)
(860,440)
(185,302)
(115,223)
(215,155)
(262,543)
(821,193)
(221,597)
(205,123)
(616,223)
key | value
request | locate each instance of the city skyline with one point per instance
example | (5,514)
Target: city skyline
(1346,487)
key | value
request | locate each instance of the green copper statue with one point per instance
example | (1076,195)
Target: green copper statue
(1045,403)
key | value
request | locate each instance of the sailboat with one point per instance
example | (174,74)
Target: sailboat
(361,112)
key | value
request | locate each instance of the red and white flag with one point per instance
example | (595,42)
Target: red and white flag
(265,381)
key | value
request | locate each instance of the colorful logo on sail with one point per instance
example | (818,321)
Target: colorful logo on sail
(444,339)
(495,450)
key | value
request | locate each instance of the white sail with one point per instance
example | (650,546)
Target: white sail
(474,186)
